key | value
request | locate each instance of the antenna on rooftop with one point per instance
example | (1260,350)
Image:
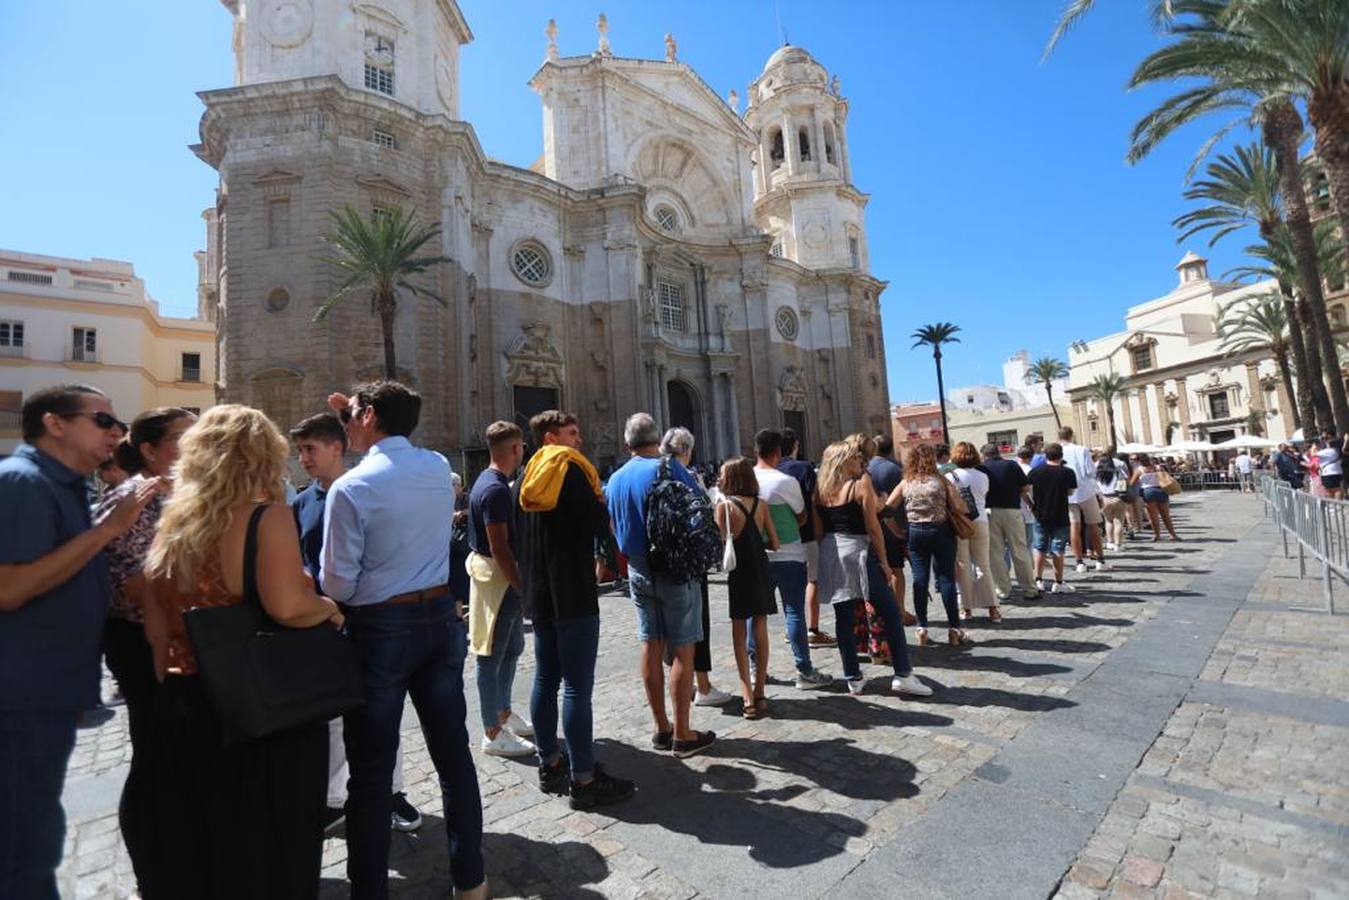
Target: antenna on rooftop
(782,32)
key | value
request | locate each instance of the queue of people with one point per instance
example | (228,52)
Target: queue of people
(201,522)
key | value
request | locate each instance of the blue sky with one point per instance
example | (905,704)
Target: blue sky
(1000,199)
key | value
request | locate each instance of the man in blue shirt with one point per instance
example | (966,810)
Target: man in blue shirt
(668,612)
(321,444)
(386,559)
(54,595)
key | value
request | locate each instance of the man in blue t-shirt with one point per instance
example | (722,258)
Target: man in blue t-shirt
(53,602)
(668,612)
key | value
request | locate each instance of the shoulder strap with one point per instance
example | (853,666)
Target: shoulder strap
(251,556)
(748,513)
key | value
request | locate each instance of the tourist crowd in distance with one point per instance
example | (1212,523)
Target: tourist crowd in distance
(1319,468)
(265,645)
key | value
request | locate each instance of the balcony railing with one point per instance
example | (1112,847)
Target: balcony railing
(18,352)
(82,354)
(191,374)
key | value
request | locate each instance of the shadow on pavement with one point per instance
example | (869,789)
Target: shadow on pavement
(954,695)
(1048,645)
(978,662)
(1076,620)
(849,712)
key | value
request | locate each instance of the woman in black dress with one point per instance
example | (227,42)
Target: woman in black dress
(745,520)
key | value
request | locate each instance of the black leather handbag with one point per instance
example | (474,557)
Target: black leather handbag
(263,678)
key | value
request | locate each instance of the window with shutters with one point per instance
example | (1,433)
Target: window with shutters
(191,367)
(11,338)
(84,345)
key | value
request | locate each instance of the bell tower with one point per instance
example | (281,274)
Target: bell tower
(803,192)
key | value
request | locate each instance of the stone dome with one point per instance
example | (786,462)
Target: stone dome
(788,53)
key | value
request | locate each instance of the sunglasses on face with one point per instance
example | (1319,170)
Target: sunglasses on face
(347,414)
(103,420)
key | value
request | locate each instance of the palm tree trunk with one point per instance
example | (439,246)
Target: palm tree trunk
(386,317)
(1322,418)
(941,397)
(1306,398)
(1286,373)
(1110,418)
(1329,116)
(1282,126)
(1049,392)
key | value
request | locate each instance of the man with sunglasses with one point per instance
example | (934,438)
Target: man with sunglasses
(386,559)
(53,598)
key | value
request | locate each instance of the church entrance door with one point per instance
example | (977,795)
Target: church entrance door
(683,407)
(796,421)
(529,402)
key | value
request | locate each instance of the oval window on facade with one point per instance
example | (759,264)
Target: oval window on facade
(531,263)
(787,324)
(278,299)
(667,219)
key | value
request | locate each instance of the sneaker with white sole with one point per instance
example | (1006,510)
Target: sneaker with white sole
(909,684)
(1040,586)
(520,727)
(813,679)
(1098,564)
(714,697)
(1062,587)
(405,817)
(856,685)
(1111,546)
(1080,568)
(507,745)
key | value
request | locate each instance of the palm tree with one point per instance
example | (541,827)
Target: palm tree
(1239,189)
(381,254)
(1276,260)
(1106,388)
(1259,324)
(1077,9)
(1044,371)
(1225,68)
(935,336)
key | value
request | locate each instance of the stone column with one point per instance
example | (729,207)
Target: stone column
(817,138)
(1126,423)
(1257,396)
(765,173)
(1144,416)
(1183,407)
(663,398)
(1286,408)
(734,443)
(1080,429)
(1163,415)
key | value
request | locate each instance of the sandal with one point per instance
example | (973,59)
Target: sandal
(958,638)
(994,614)
(750,710)
(921,635)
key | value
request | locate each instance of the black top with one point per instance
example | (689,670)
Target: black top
(847,517)
(557,551)
(1005,481)
(749,585)
(1050,487)
(490,503)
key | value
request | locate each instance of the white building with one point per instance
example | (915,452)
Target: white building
(1015,393)
(90,321)
(1178,379)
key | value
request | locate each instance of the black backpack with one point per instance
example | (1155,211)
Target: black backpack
(682,536)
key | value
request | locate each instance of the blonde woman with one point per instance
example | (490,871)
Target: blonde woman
(245,821)
(972,569)
(853,565)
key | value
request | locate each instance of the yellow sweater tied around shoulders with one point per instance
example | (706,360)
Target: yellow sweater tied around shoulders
(541,485)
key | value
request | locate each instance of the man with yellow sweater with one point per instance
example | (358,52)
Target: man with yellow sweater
(562,512)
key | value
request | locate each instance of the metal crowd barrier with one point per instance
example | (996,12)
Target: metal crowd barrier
(1317,526)
(1207,481)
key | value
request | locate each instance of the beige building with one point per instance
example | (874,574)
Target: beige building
(1009,429)
(912,424)
(667,252)
(90,321)
(1177,379)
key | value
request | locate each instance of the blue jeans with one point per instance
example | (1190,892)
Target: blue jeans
(564,656)
(883,600)
(34,749)
(789,578)
(933,546)
(415,649)
(496,673)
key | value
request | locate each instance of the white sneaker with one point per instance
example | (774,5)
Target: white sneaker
(1040,585)
(1098,564)
(910,685)
(856,685)
(1110,546)
(714,697)
(815,679)
(518,726)
(1001,595)
(1081,568)
(1062,587)
(506,744)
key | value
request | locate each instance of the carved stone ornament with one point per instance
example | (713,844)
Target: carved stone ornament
(532,360)
(792,389)
(286,23)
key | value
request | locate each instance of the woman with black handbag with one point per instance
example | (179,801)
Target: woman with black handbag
(236,816)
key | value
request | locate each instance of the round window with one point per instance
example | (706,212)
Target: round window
(531,263)
(787,323)
(667,219)
(278,299)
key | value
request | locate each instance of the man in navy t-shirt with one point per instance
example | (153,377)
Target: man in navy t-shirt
(804,473)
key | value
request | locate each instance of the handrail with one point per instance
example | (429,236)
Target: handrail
(1318,526)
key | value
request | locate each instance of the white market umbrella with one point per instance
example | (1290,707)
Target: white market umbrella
(1248,442)
(1189,447)
(1137,448)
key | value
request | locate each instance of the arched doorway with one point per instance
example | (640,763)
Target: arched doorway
(683,406)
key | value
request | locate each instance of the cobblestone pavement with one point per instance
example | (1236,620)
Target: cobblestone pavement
(1065,753)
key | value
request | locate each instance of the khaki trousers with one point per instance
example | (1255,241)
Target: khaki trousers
(1006,529)
(976,587)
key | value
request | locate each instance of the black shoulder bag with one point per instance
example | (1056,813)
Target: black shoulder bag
(263,678)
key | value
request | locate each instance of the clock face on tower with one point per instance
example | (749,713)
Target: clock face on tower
(378,49)
(286,23)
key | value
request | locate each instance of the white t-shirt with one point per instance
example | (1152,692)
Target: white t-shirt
(1078,458)
(782,494)
(1243,464)
(1330,461)
(977,482)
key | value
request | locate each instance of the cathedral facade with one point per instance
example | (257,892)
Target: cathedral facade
(667,252)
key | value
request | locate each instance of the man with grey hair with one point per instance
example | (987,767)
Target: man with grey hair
(667,611)
(678,443)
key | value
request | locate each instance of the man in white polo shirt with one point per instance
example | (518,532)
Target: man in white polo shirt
(1084,503)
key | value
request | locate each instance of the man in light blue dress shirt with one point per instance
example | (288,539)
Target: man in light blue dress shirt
(386,559)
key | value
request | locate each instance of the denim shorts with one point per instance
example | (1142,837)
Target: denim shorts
(1155,495)
(666,610)
(1052,539)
